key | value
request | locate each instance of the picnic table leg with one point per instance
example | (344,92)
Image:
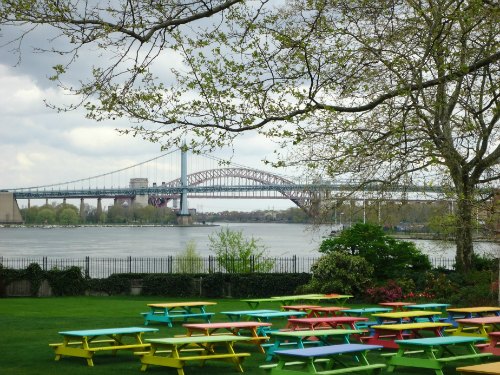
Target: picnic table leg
(85,346)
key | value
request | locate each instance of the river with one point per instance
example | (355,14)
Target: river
(280,240)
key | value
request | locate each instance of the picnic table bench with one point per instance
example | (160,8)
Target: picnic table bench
(434,352)
(85,343)
(170,352)
(308,360)
(166,312)
(492,368)
(314,337)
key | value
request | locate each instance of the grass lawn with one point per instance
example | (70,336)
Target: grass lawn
(28,325)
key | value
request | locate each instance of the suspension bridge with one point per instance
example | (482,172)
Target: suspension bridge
(208,177)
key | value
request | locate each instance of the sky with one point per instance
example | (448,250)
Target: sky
(39,146)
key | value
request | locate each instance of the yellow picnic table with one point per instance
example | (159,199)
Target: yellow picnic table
(176,351)
(485,369)
(84,343)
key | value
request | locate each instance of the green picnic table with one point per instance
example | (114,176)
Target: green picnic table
(434,352)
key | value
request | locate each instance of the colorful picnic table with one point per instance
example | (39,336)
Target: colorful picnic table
(387,335)
(367,312)
(269,316)
(479,327)
(434,352)
(340,299)
(237,315)
(176,351)
(445,318)
(298,338)
(252,329)
(493,346)
(325,321)
(473,312)
(396,305)
(327,311)
(296,361)
(305,308)
(166,312)
(492,368)
(85,343)
(404,316)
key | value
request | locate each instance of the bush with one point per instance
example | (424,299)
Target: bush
(339,272)
(172,285)
(390,258)
(389,292)
(68,282)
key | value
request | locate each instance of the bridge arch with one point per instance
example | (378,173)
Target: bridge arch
(300,198)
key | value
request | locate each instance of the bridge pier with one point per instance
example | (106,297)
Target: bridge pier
(82,209)
(99,208)
(9,210)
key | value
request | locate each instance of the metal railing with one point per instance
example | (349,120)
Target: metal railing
(104,267)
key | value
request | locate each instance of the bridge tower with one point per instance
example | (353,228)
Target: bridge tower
(184,217)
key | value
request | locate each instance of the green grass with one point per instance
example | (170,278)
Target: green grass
(28,325)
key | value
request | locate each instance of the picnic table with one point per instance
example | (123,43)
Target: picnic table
(492,368)
(305,308)
(84,343)
(387,335)
(473,312)
(368,312)
(176,351)
(493,346)
(298,338)
(288,300)
(237,315)
(434,352)
(296,361)
(396,305)
(269,316)
(166,312)
(405,316)
(325,321)
(253,329)
(327,311)
(479,327)
(446,318)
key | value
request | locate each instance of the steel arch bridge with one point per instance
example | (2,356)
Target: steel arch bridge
(199,185)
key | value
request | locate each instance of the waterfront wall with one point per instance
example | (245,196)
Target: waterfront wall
(9,210)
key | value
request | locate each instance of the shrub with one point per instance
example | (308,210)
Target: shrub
(68,282)
(389,292)
(339,272)
(390,258)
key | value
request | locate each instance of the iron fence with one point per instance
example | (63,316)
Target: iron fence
(104,267)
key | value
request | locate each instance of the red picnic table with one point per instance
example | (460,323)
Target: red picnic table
(325,322)
(493,346)
(304,308)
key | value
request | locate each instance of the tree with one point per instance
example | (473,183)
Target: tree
(68,216)
(46,215)
(239,254)
(397,92)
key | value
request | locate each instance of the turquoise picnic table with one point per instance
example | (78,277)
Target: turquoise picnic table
(298,339)
(367,312)
(239,315)
(434,352)
(167,312)
(337,359)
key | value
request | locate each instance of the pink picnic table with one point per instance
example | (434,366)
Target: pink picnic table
(396,306)
(327,311)
(325,322)
(477,327)
(305,308)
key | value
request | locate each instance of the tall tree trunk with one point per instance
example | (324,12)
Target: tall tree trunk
(463,236)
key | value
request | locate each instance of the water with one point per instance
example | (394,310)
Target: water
(280,239)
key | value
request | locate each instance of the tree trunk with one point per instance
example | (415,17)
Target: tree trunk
(463,236)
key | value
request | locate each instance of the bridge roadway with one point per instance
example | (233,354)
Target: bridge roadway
(287,190)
